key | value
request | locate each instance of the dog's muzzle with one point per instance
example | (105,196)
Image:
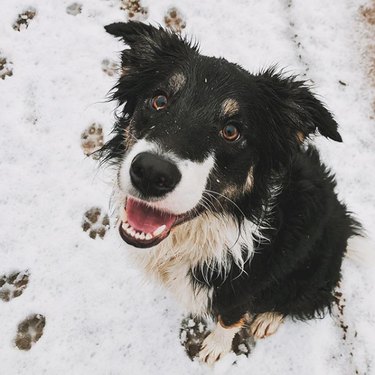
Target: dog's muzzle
(153,176)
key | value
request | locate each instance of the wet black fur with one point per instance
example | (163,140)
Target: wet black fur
(295,272)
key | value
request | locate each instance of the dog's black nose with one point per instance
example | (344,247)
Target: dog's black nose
(153,175)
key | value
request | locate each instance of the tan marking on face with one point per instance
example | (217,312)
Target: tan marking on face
(249,181)
(124,71)
(230,107)
(129,137)
(266,324)
(177,82)
(231,191)
(300,137)
(234,191)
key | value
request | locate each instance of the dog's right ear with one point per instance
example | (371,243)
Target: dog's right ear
(131,32)
(149,44)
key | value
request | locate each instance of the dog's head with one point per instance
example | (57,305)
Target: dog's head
(198,133)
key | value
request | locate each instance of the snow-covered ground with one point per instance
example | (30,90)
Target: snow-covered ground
(101,316)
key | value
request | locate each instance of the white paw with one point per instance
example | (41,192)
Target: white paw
(212,350)
(217,344)
(265,325)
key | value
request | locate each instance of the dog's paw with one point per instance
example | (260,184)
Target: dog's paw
(13,285)
(95,222)
(110,67)
(214,347)
(30,331)
(174,20)
(74,9)
(24,19)
(134,9)
(6,69)
(92,140)
(265,324)
(192,333)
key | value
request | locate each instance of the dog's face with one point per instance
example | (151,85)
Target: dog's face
(199,133)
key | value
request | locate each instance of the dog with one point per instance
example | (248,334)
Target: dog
(220,191)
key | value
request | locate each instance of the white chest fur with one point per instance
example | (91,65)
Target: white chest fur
(203,243)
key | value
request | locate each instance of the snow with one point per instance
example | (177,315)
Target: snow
(101,316)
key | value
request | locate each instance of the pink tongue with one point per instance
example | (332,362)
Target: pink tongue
(146,219)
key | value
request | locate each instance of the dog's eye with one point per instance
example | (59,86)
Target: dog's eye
(230,133)
(159,102)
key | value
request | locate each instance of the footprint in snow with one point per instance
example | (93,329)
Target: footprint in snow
(13,285)
(24,19)
(29,331)
(95,222)
(174,20)
(92,139)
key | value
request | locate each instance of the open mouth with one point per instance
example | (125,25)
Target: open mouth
(145,226)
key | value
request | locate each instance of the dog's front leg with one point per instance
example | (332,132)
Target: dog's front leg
(219,341)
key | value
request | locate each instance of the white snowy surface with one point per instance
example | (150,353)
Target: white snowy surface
(101,317)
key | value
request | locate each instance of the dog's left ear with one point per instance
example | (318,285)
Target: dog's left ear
(302,111)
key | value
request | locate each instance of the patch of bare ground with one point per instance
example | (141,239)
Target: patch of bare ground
(367,13)
(174,20)
(134,9)
(30,331)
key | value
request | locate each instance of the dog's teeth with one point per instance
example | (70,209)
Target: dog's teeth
(160,230)
(148,236)
(137,235)
(129,230)
(133,232)
(125,226)
(142,236)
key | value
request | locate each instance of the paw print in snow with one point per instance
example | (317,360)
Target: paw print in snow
(13,285)
(109,67)
(5,68)
(174,20)
(136,12)
(95,222)
(243,342)
(192,333)
(24,19)
(92,140)
(74,9)
(30,331)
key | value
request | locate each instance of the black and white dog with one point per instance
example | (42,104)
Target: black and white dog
(238,214)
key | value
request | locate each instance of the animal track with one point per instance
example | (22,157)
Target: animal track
(13,285)
(368,16)
(74,9)
(92,140)
(5,68)
(30,331)
(109,67)
(135,10)
(95,222)
(24,19)
(174,20)
(193,331)
(243,342)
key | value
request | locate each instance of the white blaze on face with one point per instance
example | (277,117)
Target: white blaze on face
(188,192)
